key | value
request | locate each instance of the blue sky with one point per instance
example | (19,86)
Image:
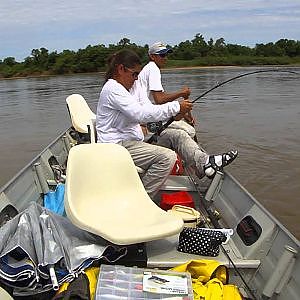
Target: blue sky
(74,24)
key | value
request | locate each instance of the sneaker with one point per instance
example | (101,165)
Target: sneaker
(218,162)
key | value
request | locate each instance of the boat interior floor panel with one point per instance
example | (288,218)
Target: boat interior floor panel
(163,254)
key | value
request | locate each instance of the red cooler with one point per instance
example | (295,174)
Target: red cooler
(178,198)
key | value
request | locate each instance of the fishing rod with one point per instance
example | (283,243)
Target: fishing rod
(164,126)
(242,75)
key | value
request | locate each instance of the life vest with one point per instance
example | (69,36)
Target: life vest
(209,280)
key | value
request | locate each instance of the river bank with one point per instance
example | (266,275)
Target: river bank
(167,68)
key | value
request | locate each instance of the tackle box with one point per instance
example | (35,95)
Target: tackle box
(119,282)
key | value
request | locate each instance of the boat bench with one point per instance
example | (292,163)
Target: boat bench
(163,254)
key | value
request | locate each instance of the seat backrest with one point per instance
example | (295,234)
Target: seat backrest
(104,195)
(82,117)
(4,295)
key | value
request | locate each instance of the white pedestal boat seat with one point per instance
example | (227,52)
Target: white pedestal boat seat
(4,295)
(82,117)
(104,195)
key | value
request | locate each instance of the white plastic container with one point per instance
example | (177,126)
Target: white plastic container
(189,215)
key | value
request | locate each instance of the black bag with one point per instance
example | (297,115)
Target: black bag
(200,241)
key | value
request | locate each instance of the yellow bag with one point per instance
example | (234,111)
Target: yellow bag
(92,275)
(204,269)
(231,291)
(214,290)
(209,280)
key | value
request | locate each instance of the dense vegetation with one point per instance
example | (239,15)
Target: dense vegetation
(195,52)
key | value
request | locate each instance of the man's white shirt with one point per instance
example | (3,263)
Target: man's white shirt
(149,80)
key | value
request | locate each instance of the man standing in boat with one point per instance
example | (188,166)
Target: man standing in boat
(119,115)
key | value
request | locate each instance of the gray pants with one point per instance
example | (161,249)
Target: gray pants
(181,124)
(185,146)
(157,162)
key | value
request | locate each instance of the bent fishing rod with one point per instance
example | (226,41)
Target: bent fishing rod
(164,126)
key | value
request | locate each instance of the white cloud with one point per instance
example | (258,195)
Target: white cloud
(74,24)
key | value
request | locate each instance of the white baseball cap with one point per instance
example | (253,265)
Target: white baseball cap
(159,48)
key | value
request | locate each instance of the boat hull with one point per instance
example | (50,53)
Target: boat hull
(270,266)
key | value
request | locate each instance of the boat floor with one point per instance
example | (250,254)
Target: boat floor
(163,254)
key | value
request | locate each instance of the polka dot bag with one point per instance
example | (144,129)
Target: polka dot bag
(200,241)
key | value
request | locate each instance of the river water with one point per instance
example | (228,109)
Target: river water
(259,115)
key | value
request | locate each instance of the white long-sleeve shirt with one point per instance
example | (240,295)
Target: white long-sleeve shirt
(119,114)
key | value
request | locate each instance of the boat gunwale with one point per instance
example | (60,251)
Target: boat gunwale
(267,212)
(34,160)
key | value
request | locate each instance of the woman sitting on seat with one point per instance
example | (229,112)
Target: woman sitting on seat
(119,115)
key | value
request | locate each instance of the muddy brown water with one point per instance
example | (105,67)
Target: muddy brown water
(259,115)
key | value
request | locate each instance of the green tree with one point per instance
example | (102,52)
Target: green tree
(290,47)
(219,48)
(199,45)
(65,62)
(40,58)
(124,42)
(190,52)
(269,49)
(184,51)
(210,45)
(239,50)
(91,59)
(9,61)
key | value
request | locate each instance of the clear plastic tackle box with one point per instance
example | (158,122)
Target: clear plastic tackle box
(119,282)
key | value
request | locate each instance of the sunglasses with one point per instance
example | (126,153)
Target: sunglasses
(163,55)
(134,73)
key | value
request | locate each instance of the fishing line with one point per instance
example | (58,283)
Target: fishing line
(240,76)
(164,126)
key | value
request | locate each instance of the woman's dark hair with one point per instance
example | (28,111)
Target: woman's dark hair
(124,57)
